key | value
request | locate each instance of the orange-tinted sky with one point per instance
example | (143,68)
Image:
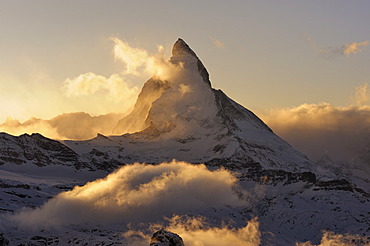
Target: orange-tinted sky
(263,54)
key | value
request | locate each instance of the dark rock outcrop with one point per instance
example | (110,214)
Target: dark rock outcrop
(3,241)
(166,238)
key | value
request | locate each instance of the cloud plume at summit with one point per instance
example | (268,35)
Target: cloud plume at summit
(97,99)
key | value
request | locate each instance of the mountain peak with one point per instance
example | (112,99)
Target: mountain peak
(181,49)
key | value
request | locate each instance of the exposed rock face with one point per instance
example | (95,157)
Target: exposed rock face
(38,150)
(166,238)
(180,48)
(137,119)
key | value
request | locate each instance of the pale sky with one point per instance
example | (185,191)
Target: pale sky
(263,54)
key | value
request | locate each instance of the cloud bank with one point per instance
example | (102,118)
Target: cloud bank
(137,193)
(323,129)
(141,196)
(330,238)
(197,232)
(75,126)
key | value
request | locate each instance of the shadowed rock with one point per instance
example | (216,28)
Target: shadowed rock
(166,238)
(3,241)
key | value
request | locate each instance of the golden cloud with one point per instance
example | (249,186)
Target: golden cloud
(354,47)
(323,129)
(74,126)
(361,95)
(345,49)
(196,231)
(89,84)
(139,61)
(137,193)
(330,238)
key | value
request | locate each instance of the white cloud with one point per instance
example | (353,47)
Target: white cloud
(139,62)
(137,193)
(89,84)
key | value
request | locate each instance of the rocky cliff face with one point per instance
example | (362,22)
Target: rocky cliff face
(38,150)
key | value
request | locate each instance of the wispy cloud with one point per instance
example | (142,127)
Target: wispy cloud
(217,43)
(354,47)
(138,61)
(345,49)
(361,95)
(341,50)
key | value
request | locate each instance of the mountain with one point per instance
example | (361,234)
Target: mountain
(181,117)
(184,118)
(178,115)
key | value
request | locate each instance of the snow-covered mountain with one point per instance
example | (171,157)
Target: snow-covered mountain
(180,116)
(184,118)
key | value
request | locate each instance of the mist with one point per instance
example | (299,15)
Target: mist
(75,126)
(330,238)
(195,231)
(324,130)
(136,193)
(98,102)
(141,199)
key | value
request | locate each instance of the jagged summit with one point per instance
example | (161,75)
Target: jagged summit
(186,119)
(180,50)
